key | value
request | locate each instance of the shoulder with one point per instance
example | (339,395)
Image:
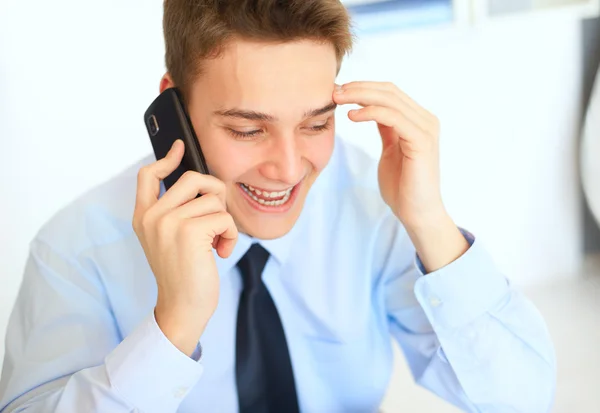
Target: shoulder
(99,216)
(351,182)
(348,218)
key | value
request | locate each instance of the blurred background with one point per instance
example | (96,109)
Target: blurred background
(512,82)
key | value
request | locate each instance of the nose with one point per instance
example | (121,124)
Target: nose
(284,160)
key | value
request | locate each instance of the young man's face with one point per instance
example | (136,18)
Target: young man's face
(265,120)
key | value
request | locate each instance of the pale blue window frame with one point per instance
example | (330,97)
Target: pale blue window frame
(385,15)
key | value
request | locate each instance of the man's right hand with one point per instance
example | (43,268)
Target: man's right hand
(178,233)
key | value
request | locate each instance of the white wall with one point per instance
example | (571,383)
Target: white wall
(508,96)
(76,77)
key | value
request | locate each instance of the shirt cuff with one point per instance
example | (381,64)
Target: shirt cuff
(463,290)
(150,372)
(468,236)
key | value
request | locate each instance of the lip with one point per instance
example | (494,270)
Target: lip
(273,209)
(270,190)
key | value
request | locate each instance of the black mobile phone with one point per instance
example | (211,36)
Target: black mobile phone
(167,120)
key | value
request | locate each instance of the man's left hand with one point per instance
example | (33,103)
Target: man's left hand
(409,172)
(409,166)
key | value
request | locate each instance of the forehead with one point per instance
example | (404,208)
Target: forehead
(256,74)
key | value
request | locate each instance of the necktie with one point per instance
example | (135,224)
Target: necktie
(264,376)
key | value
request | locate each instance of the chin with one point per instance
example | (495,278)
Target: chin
(267,233)
(267,229)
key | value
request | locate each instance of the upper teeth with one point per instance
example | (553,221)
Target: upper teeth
(267,194)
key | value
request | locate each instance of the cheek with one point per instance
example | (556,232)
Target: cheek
(319,151)
(226,160)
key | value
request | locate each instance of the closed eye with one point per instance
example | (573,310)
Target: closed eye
(244,135)
(254,133)
(319,128)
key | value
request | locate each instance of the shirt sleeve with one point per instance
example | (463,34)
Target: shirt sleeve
(64,352)
(467,334)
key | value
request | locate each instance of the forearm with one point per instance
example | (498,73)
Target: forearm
(495,341)
(495,364)
(470,337)
(84,390)
(144,372)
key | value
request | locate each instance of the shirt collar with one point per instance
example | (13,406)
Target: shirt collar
(279,248)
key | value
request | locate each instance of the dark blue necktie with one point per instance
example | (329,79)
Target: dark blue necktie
(263,370)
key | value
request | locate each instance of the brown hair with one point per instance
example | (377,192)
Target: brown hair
(196,30)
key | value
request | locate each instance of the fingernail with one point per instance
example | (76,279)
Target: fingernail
(175,145)
(339,89)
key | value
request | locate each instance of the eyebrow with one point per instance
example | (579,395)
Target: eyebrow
(265,117)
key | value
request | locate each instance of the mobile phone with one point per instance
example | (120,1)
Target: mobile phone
(167,120)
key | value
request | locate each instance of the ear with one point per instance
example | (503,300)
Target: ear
(166,82)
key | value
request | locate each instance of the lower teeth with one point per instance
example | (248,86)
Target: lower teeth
(266,203)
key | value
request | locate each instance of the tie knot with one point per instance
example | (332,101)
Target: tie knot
(252,264)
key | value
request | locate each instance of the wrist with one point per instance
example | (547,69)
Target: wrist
(423,231)
(438,242)
(182,327)
(427,220)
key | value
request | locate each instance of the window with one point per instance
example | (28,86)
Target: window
(380,15)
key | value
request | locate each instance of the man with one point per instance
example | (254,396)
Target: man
(279,288)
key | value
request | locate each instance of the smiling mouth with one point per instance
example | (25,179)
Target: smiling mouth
(266,197)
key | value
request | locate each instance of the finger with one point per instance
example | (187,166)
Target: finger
(223,227)
(389,86)
(205,205)
(404,128)
(366,96)
(225,246)
(187,188)
(430,121)
(149,177)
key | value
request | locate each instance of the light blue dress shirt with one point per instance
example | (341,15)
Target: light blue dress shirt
(346,279)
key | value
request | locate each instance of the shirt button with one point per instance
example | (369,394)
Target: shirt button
(435,302)
(180,392)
